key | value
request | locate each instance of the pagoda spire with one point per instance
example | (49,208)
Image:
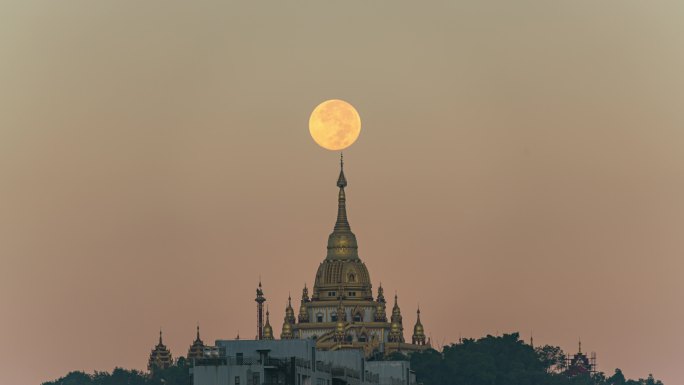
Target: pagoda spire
(418,330)
(342,224)
(342,242)
(396,333)
(268,330)
(196,350)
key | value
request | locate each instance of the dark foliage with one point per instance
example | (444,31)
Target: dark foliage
(504,360)
(178,374)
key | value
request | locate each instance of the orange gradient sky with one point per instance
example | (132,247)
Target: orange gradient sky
(521,167)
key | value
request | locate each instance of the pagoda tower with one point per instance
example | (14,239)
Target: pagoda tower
(288,321)
(196,350)
(268,330)
(341,312)
(418,331)
(160,357)
(397,328)
(303,316)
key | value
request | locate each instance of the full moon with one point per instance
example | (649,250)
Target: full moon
(335,124)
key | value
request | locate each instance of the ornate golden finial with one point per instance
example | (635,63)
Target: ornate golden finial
(305,294)
(580,344)
(381,293)
(303,314)
(198,337)
(288,321)
(289,312)
(160,336)
(396,312)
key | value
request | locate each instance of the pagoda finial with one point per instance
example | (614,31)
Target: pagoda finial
(160,336)
(580,344)
(532,338)
(198,337)
(341,180)
(342,223)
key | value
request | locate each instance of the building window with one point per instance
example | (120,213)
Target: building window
(332,293)
(357,317)
(352,294)
(238,358)
(362,338)
(237,380)
(351,278)
(333,316)
(319,317)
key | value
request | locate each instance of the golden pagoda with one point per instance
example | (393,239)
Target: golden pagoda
(288,321)
(396,327)
(342,312)
(418,331)
(268,330)
(196,350)
(160,357)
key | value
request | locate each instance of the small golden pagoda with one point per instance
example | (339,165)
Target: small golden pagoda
(418,331)
(196,350)
(288,321)
(268,330)
(160,357)
(396,328)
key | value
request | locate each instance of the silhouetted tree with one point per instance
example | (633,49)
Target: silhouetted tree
(551,357)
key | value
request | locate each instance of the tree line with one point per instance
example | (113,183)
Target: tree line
(491,360)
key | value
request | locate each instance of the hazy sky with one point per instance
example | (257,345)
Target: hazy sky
(520,167)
